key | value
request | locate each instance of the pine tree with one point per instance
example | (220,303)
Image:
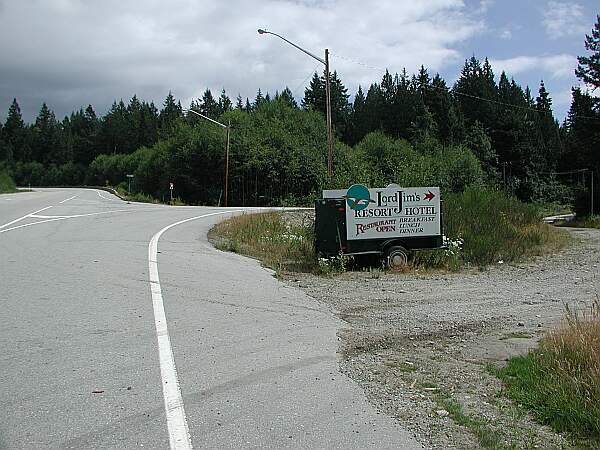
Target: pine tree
(358,122)
(171,111)
(259,100)
(13,134)
(224,104)
(314,94)
(287,98)
(315,99)
(239,105)
(46,143)
(588,69)
(543,102)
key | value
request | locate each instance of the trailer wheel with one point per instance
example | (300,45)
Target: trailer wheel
(396,257)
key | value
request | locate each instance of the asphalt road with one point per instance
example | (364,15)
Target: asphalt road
(85,359)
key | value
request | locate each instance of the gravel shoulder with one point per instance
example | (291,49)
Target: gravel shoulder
(412,340)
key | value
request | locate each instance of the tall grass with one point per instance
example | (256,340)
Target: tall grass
(278,243)
(492,226)
(560,381)
(7,185)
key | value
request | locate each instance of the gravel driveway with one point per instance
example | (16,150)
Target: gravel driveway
(412,340)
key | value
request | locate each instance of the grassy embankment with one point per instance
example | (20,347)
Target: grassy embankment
(7,185)
(559,382)
(144,198)
(485,226)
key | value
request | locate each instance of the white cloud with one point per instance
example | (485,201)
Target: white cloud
(506,34)
(556,66)
(563,19)
(73,52)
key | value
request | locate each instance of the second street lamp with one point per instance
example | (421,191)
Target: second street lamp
(227,128)
(327,96)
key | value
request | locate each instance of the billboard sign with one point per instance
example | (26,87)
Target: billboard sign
(391,212)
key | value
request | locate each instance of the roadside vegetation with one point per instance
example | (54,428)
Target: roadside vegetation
(140,197)
(7,185)
(559,382)
(485,227)
(276,242)
(586,222)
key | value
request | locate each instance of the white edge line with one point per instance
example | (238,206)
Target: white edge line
(24,217)
(179,433)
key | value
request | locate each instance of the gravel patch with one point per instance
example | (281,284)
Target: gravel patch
(412,340)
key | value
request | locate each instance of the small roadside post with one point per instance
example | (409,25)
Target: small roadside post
(129,177)
(171,189)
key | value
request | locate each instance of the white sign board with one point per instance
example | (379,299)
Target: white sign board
(391,212)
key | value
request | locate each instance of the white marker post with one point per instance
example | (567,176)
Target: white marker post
(171,188)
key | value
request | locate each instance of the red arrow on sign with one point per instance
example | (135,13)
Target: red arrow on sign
(429,196)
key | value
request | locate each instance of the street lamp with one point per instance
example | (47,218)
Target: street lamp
(327,96)
(227,128)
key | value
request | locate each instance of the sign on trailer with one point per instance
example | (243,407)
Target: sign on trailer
(392,212)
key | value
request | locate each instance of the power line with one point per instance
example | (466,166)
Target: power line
(304,81)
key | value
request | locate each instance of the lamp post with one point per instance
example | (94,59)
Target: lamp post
(227,128)
(327,96)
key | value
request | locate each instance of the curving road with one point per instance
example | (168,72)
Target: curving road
(87,360)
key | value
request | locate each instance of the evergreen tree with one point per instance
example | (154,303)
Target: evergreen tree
(582,127)
(224,104)
(14,134)
(358,121)
(170,113)
(588,69)
(476,92)
(259,100)
(46,138)
(315,99)
(239,105)
(287,97)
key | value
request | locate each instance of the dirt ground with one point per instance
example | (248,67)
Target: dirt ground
(412,341)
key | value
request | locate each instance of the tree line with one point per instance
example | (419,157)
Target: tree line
(407,129)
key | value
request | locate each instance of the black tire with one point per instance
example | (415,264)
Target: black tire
(396,258)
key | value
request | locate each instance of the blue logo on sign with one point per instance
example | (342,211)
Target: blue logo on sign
(358,197)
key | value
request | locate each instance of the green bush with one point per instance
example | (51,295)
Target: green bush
(490,227)
(7,184)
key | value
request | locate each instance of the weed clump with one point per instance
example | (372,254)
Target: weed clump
(560,380)
(7,185)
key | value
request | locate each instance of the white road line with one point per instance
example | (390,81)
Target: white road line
(70,198)
(55,218)
(24,217)
(39,216)
(179,433)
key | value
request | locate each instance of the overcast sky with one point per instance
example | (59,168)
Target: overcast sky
(71,53)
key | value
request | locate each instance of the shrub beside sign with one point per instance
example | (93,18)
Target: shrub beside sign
(391,212)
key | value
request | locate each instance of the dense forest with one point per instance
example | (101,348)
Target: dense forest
(406,129)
